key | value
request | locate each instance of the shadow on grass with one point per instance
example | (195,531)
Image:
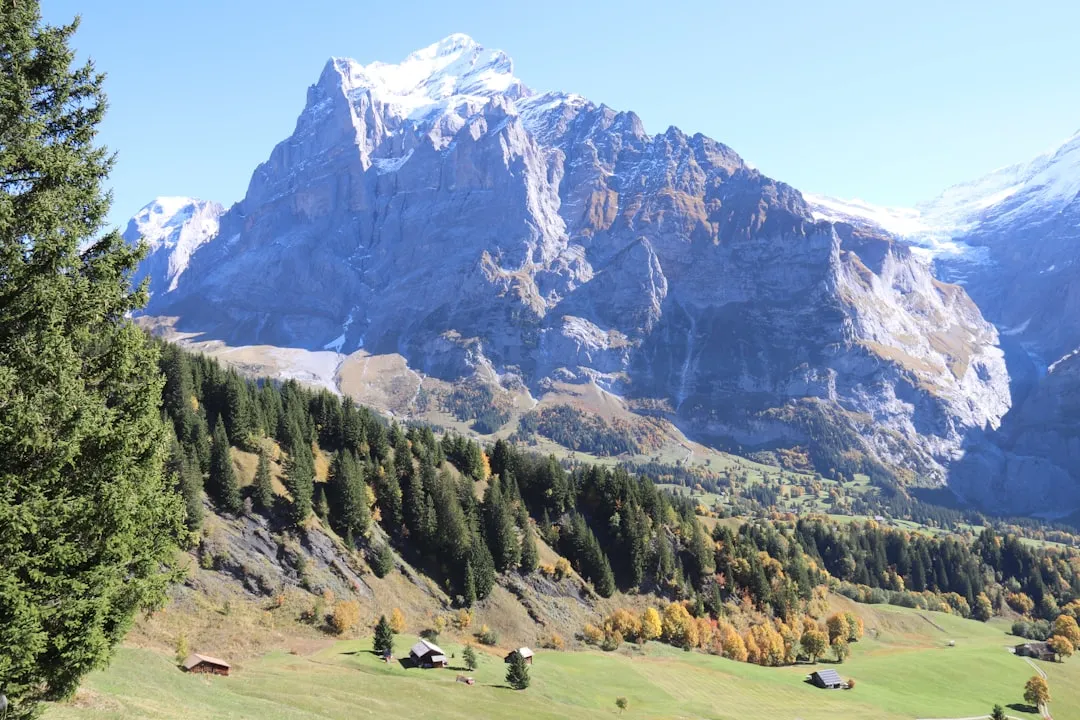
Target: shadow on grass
(1021,707)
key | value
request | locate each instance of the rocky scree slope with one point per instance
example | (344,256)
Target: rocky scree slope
(441,209)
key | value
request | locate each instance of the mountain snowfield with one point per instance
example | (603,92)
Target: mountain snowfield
(442,210)
(1030,192)
(172,228)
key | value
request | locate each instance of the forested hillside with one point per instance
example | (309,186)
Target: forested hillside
(465,513)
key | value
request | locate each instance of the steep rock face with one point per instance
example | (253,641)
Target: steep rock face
(441,209)
(172,228)
(1011,238)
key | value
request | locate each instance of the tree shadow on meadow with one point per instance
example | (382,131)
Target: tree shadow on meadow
(1023,708)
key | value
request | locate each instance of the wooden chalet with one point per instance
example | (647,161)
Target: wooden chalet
(427,654)
(196,663)
(523,652)
(1037,650)
(827,679)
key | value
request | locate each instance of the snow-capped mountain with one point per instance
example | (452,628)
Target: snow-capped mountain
(1031,193)
(441,209)
(1011,237)
(172,228)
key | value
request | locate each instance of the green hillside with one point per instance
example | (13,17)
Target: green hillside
(907,671)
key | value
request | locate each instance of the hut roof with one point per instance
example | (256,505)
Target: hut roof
(424,647)
(194,659)
(829,677)
(524,652)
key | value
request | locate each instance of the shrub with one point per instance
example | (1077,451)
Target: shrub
(463,619)
(487,636)
(592,634)
(554,641)
(345,616)
(613,640)
(651,624)
(562,568)
(397,621)
(182,650)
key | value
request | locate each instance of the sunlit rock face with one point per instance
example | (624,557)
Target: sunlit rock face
(442,209)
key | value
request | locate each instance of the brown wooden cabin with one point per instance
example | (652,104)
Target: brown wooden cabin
(523,652)
(196,663)
(427,654)
(1037,650)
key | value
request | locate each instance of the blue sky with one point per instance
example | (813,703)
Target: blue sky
(888,102)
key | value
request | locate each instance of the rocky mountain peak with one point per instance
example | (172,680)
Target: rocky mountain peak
(172,228)
(438,209)
(441,77)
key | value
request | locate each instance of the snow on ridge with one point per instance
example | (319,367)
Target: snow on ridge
(456,67)
(1042,186)
(175,226)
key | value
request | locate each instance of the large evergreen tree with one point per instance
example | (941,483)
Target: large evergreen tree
(300,476)
(383,644)
(223,487)
(88,520)
(262,491)
(517,675)
(349,513)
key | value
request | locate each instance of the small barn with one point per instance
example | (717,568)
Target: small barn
(1037,650)
(828,679)
(524,652)
(427,654)
(205,664)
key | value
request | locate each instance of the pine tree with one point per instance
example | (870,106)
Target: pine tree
(191,489)
(388,492)
(517,675)
(530,556)
(383,643)
(469,656)
(223,488)
(262,492)
(349,513)
(185,475)
(469,585)
(383,562)
(300,479)
(499,529)
(482,565)
(200,442)
(88,520)
(320,505)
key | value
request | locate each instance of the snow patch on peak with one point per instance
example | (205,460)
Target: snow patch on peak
(452,71)
(1036,190)
(173,228)
(931,236)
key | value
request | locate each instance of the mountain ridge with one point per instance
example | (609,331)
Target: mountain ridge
(537,238)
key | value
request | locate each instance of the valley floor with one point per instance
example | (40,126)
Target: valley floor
(903,669)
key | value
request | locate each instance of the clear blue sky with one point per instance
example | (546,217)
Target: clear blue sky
(886,101)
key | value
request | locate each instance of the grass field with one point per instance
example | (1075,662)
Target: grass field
(906,671)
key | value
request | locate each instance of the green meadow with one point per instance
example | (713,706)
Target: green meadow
(904,668)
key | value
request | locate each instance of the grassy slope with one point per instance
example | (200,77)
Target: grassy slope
(907,671)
